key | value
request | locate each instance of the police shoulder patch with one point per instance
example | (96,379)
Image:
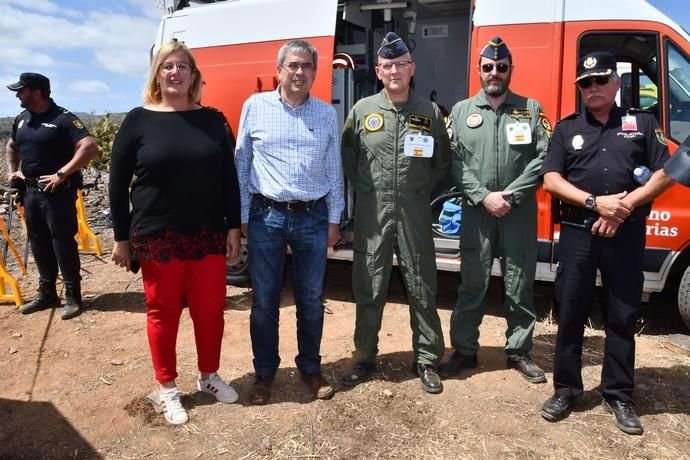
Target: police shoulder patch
(373,122)
(78,124)
(660,136)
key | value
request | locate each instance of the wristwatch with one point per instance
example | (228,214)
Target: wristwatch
(591,202)
(60,174)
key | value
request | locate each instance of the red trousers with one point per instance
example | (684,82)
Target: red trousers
(167,285)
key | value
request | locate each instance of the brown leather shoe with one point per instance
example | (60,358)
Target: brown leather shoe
(318,385)
(260,392)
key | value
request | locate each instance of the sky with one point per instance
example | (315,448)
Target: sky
(95,52)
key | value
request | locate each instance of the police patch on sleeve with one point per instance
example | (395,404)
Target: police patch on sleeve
(474,119)
(21,123)
(660,136)
(373,122)
(544,122)
(449,127)
(78,124)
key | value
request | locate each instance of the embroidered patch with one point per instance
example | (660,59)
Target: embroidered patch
(630,135)
(419,122)
(590,62)
(78,124)
(21,123)
(521,113)
(373,122)
(545,123)
(578,142)
(474,119)
(660,136)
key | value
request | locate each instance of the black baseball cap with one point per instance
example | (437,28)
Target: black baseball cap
(599,64)
(31,80)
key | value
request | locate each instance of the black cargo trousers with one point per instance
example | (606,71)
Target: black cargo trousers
(51,221)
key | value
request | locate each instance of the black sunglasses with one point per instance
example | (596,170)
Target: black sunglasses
(587,82)
(501,68)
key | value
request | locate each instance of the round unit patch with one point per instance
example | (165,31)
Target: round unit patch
(373,122)
(474,119)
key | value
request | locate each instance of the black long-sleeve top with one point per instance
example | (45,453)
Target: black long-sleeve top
(185,180)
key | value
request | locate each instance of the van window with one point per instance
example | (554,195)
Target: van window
(637,65)
(678,106)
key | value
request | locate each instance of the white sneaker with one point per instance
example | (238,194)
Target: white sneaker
(216,387)
(174,412)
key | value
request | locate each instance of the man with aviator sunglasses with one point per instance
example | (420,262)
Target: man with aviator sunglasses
(603,210)
(499,140)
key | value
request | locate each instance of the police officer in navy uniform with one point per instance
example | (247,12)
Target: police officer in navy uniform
(51,144)
(589,168)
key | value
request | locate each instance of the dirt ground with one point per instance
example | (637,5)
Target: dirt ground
(76,389)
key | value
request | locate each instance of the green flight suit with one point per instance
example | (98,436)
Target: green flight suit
(393,215)
(485,161)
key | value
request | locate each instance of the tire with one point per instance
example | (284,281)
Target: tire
(237,271)
(684,297)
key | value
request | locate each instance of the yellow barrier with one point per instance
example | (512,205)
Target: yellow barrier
(7,280)
(87,239)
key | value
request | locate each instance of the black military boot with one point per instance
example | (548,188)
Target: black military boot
(72,305)
(47,298)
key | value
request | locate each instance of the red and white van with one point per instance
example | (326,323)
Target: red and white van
(236,42)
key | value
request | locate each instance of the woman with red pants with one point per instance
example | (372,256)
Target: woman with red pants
(184,221)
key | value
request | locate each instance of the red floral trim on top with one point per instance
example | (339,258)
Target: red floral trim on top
(172,245)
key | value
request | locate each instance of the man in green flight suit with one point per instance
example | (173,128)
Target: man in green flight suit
(499,141)
(395,149)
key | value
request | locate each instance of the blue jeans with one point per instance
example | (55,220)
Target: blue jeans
(271,229)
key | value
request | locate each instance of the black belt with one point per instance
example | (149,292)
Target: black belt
(289,205)
(33,182)
(579,217)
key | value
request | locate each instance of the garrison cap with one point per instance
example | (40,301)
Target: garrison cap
(392,46)
(678,166)
(31,80)
(495,49)
(599,64)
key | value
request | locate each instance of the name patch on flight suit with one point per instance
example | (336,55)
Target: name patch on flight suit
(373,122)
(419,122)
(521,113)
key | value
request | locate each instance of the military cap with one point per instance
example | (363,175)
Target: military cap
(597,64)
(495,49)
(31,80)
(392,46)
(678,167)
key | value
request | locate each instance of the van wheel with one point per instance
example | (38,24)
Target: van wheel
(684,297)
(237,271)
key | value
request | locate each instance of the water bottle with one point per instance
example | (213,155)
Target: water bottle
(642,174)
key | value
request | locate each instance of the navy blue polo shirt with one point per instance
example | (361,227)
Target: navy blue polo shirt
(46,140)
(600,158)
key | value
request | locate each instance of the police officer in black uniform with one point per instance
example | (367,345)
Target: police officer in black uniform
(589,167)
(52,145)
